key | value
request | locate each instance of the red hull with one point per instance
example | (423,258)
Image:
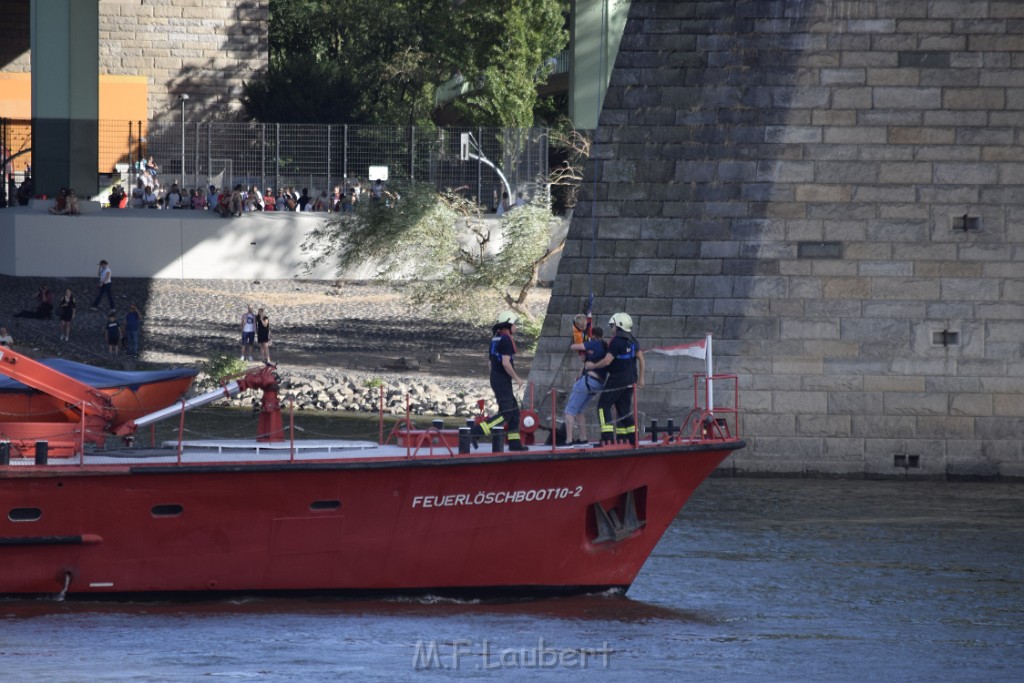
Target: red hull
(476,523)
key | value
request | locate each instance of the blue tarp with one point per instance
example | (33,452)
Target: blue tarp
(100,378)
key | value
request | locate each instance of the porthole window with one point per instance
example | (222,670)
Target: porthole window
(24,514)
(167,510)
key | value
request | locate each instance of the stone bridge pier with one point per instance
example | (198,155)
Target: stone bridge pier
(834,190)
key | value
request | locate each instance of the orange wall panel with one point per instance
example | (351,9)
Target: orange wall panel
(122,98)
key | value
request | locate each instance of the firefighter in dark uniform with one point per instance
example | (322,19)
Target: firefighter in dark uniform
(503,373)
(625,363)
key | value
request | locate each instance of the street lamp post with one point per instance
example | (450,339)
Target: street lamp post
(184,98)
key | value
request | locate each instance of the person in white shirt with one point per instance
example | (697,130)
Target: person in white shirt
(248,332)
(105,286)
(138,195)
(173,199)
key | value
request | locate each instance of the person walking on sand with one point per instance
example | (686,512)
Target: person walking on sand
(263,334)
(104,286)
(248,332)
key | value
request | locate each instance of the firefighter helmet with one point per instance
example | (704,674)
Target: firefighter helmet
(508,316)
(622,321)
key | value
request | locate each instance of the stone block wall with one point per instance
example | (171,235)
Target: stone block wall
(201,47)
(14,36)
(833,189)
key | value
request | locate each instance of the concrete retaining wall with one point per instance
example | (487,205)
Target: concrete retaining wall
(150,243)
(159,244)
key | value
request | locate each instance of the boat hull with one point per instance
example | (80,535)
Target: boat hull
(555,521)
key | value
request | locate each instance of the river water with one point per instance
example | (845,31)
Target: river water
(758,579)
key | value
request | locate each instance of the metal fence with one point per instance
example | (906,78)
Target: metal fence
(312,156)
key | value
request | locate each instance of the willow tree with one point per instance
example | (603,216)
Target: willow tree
(441,249)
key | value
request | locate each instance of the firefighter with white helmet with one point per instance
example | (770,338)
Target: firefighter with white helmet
(622,321)
(503,373)
(625,363)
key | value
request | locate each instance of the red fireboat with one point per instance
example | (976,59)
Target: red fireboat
(420,511)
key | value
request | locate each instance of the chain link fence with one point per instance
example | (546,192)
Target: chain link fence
(310,156)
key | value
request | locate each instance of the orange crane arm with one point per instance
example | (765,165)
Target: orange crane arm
(34,374)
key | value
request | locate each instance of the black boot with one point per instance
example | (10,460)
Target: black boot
(517,445)
(476,432)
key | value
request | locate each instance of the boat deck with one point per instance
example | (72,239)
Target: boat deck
(252,452)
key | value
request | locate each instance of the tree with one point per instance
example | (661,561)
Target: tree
(367,61)
(572,148)
(513,62)
(357,61)
(440,246)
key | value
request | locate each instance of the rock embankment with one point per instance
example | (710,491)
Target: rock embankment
(332,390)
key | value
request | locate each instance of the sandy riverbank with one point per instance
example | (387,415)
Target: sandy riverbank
(352,328)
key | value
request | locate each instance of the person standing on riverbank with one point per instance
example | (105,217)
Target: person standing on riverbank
(248,332)
(66,310)
(112,333)
(263,335)
(132,326)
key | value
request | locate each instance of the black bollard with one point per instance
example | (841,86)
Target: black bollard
(437,424)
(464,439)
(498,440)
(5,452)
(42,452)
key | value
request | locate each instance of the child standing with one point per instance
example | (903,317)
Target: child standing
(112,332)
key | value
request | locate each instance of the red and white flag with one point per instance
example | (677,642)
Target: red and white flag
(697,349)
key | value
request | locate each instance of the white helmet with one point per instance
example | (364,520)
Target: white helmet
(508,316)
(622,321)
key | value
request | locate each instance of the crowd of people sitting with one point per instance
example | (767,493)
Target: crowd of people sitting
(224,201)
(66,203)
(241,199)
